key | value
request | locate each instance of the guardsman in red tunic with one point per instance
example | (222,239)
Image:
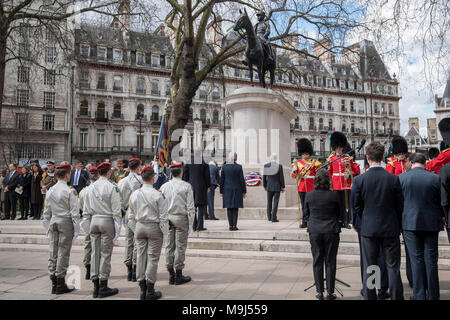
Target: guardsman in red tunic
(444,157)
(432,154)
(304,171)
(397,163)
(342,172)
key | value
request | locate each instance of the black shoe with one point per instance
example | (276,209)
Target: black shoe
(231,229)
(151,294)
(171,276)
(180,279)
(319,296)
(202,229)
(61,286)
(362,292)
(130,272)
(21,218)
(331,296)
(303,225)
(275,220)
(207,218)
(53,279)
(383,295)
(143,286)
(104,291)
(133,274)
(214,218)
(88,272)
(235,228)
(96,288)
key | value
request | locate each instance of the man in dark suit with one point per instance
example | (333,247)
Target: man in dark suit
(421,222)
(79,178)
(9,186)
(378,201)
(273,182)
(215,178)
(197,174)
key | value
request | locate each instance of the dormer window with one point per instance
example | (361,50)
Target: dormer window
(85,51)
(101,54)
(155,61)
(140,58)
(117,56)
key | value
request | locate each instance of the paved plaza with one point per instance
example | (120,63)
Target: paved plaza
(23,275)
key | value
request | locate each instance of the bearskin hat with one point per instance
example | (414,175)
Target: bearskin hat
(444,128)
(304,146)
(338,139)
(433,153)
(399,145)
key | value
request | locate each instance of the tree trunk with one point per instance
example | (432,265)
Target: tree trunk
(186,91)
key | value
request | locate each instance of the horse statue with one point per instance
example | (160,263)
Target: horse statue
(257,52)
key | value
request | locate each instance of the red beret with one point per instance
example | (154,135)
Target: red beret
(135,160)
(120,163)
(176,165)
(147,168)
(65,167)
(93,170)
(104,165)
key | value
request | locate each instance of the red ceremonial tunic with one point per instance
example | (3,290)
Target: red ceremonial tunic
(337,173)
(305,173)
(395,166)
(441,160)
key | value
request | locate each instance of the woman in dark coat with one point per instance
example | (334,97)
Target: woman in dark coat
(36,198)
(24,198)
(323,211)
(232,189)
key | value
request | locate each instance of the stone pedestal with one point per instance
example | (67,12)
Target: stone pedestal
(260,126)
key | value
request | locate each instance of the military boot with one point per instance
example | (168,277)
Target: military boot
(151,294)
(133,274)
(104,291)
(61,286)
(143,286)
(53,279)
(96,288)
(88,272)
(180,279)
(171,275)
(130,272)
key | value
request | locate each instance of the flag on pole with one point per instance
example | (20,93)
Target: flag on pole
(163,138)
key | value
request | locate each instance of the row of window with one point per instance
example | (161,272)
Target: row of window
(117,139)
(48,121)
(33,151)
(23,76)
(101,113)
(23,98)
(119,56)
(49,52)
(322,127)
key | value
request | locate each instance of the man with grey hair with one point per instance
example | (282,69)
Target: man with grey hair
(273,182)
(215,178)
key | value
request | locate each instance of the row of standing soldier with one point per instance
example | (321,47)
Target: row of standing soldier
(151,218)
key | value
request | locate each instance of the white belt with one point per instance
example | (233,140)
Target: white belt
(103,215)
(339,174)
(308,177)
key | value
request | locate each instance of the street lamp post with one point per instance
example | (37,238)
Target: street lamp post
(140,135)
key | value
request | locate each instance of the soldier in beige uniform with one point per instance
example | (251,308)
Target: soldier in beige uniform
(102,216)
(61,218)
(148,217)
(180,200)
(93,176)
(48,178)
(126,187)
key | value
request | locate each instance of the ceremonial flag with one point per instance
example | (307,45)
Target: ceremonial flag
(163,138)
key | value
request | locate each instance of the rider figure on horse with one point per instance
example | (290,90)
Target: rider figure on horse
(262,30)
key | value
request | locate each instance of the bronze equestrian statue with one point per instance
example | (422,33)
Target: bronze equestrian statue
(258,51)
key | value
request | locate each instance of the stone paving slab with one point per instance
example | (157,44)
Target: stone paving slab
(213,278)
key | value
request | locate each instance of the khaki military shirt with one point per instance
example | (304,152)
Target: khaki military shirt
(62,201)
(127,185)
(148,205)
(179,197)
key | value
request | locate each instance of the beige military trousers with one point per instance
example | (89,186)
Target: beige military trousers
(148,242)
(61,234)
(102,235)
(87,250)
(177,242)
(130,248)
